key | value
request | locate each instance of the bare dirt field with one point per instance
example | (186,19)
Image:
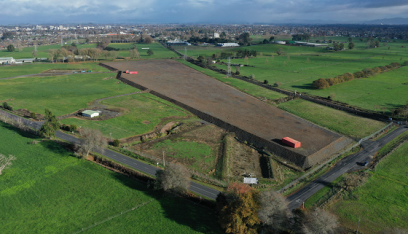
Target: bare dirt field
(196,90)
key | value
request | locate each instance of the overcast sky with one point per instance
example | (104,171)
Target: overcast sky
(197,11)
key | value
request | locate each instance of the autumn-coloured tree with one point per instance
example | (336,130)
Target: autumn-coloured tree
(321,84)
(240,214)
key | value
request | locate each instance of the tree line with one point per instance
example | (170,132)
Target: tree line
(367,72)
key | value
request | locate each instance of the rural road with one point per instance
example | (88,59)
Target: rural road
(140,166)
(347,164)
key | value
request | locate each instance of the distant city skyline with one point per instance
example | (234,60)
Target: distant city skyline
(199,11)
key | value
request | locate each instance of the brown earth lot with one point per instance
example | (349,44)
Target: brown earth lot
(212,97)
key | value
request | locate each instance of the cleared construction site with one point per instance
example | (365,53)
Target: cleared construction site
(252,120)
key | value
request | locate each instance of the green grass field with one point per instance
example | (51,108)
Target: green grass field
(194,154)
(382,201)
(47,190)
(245,87)
(35,68)
(141,114)
(159,51)
(336,120)
(60,94)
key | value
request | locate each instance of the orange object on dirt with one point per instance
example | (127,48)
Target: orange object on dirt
(290,142)
(133,72)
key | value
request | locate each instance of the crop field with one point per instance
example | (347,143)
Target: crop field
(141,113)
(336,120)
(243,86)
(48,190)
(194,89)
(60,94)
(382,201)
(35,68)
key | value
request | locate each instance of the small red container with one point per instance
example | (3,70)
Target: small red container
(290,142)
(133,72)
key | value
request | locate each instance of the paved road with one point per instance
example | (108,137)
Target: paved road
(347,164)
(140,166)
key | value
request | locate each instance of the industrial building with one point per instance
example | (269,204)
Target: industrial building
(177,42)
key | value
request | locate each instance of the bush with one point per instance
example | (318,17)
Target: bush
(321,84)
(237,73)
(359,74)
(405,63)
(73,128)
(277,84)
(266,82)
(116,143)
(33,115)
(331,81)
(252,76)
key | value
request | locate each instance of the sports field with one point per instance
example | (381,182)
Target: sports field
(48,190)
(382,201)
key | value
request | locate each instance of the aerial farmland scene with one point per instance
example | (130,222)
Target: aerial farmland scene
(204,117)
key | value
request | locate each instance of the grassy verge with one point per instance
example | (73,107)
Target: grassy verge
(322,195)
(336,120)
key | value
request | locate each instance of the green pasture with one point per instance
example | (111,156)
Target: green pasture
(243,86)
(48,190)
(382,202)
(60,94)
(159,51)
(336,120)
(35,68)
(197,155)
(141,113)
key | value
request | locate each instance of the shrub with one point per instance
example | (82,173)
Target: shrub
(73,128)
(395,64)
(252,76)
(277,84)
(348,76)
(237,73)
(265,82)
(33,115)
(116,143)
(331,81)
(405,63)
(5,105)
(368,72)
(359,74)
(321,84)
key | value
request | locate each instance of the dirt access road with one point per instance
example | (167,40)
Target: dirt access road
(212,97)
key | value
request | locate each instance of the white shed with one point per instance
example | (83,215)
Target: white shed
(90,113)
(248,180)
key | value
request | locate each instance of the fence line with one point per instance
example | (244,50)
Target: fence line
(112,217)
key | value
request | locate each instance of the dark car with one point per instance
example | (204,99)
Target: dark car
(365,163)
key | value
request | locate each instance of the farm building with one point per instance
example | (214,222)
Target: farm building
(177,42)
(26,60)
(90,113)
(7,60)
(280,42)
(228,44)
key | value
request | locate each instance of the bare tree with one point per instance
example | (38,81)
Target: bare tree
(83,52)
(148,39)
(174,177)
(320,222)
(52,54)
(274,208)
(92,140)
(113,54)
(34,53)
(5,162)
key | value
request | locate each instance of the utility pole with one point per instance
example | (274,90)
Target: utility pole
(229,67)
(164,162)
(76,38)
(185,53)
(358,224)
(61,41)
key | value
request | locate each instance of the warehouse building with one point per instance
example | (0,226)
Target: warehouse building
(7,60)
(228,44)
